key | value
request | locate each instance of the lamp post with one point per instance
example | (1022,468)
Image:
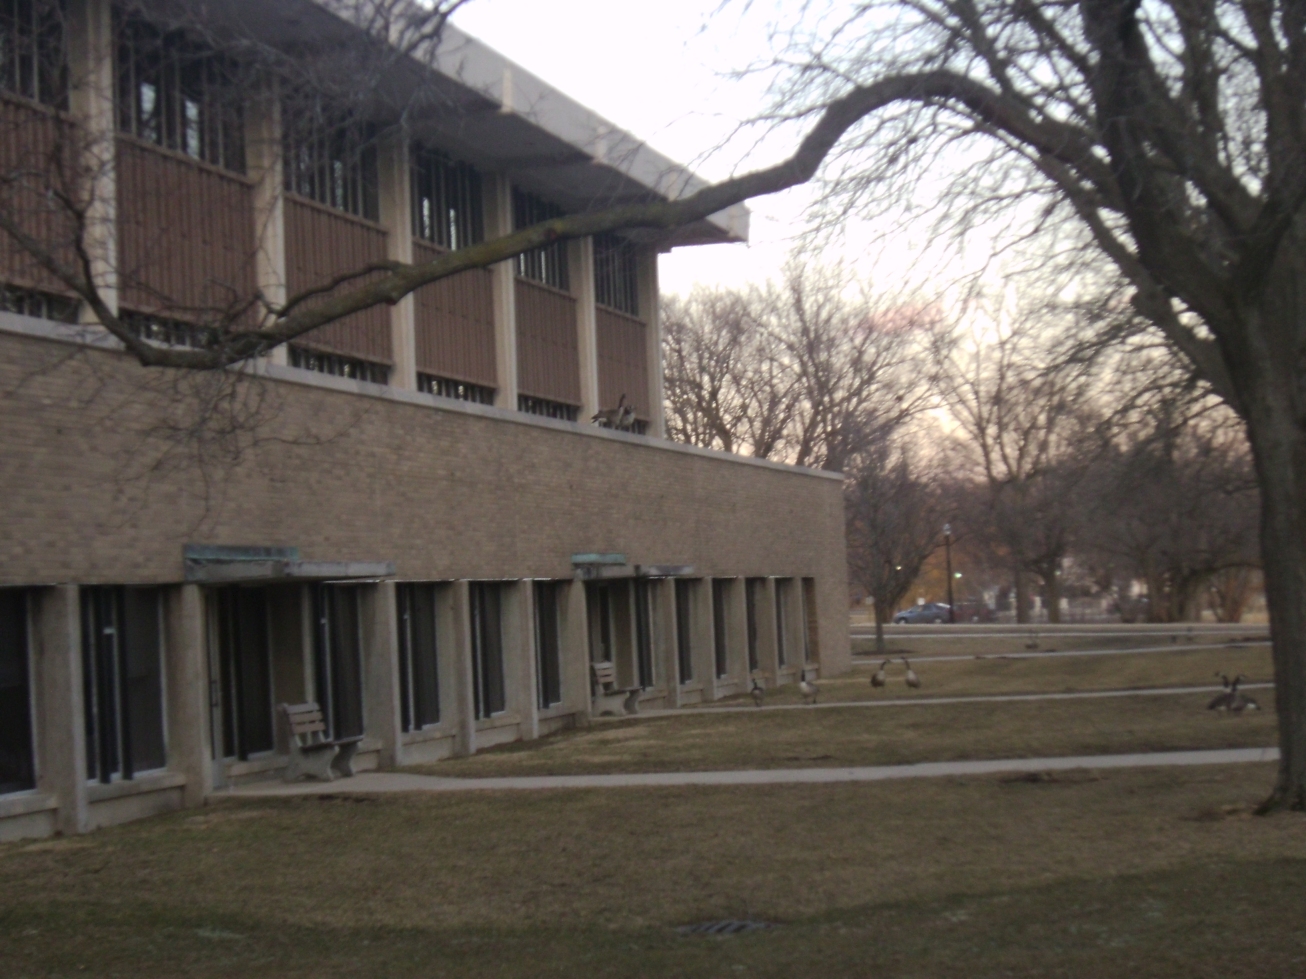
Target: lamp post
(947,551)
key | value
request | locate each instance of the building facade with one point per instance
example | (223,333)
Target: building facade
(406,516)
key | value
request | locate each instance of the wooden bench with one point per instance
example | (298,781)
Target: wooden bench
(608,697)
(312,753)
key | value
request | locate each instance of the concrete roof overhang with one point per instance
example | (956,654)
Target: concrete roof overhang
(478,106)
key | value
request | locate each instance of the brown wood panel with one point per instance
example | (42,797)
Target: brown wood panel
(186,241)
(548,355)
(455,324)
(34,141)
(320,245)
(622,350)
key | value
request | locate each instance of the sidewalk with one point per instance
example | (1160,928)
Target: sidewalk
(377,782)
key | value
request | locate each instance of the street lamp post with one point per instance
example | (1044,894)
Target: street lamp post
(947,551)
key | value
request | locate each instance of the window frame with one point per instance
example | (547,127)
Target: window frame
(27,773)
(548,643)
(489,686)
(684,602)
(419,704)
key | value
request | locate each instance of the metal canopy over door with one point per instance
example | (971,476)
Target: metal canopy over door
(244,665)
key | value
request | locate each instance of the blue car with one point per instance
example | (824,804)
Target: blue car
(934,612)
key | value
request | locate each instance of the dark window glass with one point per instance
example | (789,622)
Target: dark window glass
(811,650)
(175,92)
(123,678)
(599,599)
(17,771)
(32,50)
(338,665)
(684,629)
(446,387)
(338,366)
(42,305)
(719,627)
(245,660)
(644,632)
(419,674)
(447,207)
(616,274)
(487,648)
(781,620)
(548,642)
(331,159)
(547,264)
(751,588)
(547,409)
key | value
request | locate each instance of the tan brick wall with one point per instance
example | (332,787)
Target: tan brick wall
(99,485)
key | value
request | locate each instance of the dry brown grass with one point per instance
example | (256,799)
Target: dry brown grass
(1142,873)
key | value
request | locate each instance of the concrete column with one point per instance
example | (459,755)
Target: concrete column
(91,100)
(577,688)
(650,313)
(185,652)
(396,191)
(737,627)
(665,650)
(768,647)
(705,638)
(381,714)
(456,636)
(519,646)
(581,261)
(61,736)
(263,163)
(498,222)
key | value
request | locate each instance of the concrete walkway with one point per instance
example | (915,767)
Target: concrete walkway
(868,658)
(913,701)
(369,783)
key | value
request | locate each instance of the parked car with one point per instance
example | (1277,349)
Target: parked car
(974,612)
(934,612)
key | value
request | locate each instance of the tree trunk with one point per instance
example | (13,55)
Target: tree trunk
(879,632)
(1052,594)
(1021,598)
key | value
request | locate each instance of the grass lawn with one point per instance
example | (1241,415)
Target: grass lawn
(1045,674)
(1155,873)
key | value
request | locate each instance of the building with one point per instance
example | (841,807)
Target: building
(411,521)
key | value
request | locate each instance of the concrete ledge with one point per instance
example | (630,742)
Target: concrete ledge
(99,792)
(503,734)
(26,803)
(27,826)
(122,802)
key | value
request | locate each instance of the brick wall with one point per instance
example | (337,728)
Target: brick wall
(99,485)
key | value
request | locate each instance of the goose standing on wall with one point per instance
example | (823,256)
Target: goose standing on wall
(808,689)
(913,680)
(611,417)
(626,420)
(757,693)
(881,676)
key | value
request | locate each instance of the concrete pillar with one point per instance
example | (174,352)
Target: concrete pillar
(263,164)
(737,629)
(381,715)
(768,647)
(577,688)
(498,222)
(61,737)
(455,635)
(395,192)
(91,100)
(581,261)
(665,650)
(519,649)
(705,638)
(185,649)
(650,313)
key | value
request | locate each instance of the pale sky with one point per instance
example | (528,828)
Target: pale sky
(660,71)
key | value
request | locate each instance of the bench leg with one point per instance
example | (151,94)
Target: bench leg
(311,764)
(344,760)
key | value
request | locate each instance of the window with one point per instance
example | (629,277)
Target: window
(168,332)
(547,264)
(644,632)
(177,93)
(32,50)
(445,387)
(685,629)
(487,648)
(245,663)
(811,640)
(331,161)
(42,305)
(719,636)
(598,597)
(751,587)
(547,409)
(782,589)
(339,366)
(17,767)
(122,673)
(419,668)
(548,642)
(616,274)
(338,659)
(447,207)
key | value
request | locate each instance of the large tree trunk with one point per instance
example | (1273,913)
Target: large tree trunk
(1021,597)
(880,616)
(1052,595)
(1281,462)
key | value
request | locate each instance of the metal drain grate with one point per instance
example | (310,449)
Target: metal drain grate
(724,927)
